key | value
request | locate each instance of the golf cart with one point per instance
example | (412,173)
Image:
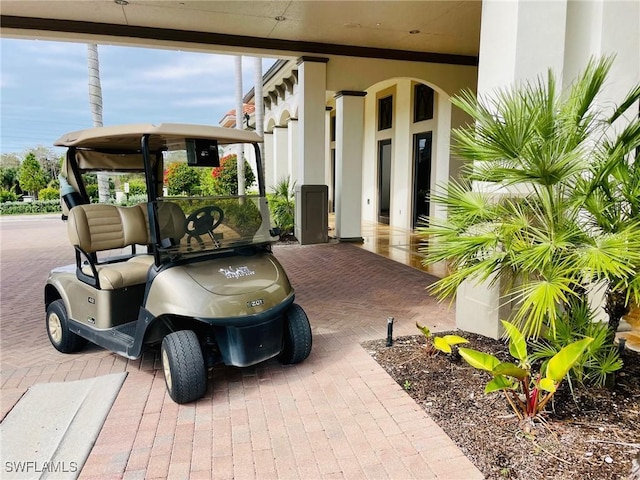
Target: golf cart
(193,273)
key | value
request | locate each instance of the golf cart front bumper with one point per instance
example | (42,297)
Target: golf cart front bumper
(251,339)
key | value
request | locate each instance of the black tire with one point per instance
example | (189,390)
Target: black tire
(183,365)
(297,336)
(63,339)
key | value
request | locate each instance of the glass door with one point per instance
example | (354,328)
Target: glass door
(384,180)
(421,176)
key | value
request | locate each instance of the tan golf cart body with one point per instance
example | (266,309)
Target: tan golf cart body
(195,273)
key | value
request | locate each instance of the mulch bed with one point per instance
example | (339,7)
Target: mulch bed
(594,434)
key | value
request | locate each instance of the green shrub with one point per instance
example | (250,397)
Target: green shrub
(22,208)
(49,193)
(601,358)
(137,187)
(133,200)
(7,195)
(92,191)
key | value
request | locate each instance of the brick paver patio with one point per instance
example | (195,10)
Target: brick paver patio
(336,415)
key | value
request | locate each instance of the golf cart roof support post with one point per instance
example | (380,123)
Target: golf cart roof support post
(259,167)
(71,160)
(146,157)
(154,229)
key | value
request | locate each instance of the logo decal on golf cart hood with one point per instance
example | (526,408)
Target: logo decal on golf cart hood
(236,272)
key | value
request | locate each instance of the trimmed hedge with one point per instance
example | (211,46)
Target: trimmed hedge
(22,208)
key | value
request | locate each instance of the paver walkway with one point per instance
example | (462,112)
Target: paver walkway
(336,415)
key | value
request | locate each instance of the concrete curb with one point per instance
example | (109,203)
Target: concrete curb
(52,429)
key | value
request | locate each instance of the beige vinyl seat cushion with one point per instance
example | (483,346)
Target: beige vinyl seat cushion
(98,227)
(122,274)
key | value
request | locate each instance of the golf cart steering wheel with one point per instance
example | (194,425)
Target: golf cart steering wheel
(203,221)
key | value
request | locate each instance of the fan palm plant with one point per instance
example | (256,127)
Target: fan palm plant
(282,205)
(540,164)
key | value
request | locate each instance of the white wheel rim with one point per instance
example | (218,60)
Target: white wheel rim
(166,369)
(55,328)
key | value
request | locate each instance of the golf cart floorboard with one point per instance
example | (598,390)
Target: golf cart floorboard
(125,333)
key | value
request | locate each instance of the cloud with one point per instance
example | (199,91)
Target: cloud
(45,92)
(226,101)
(188,67)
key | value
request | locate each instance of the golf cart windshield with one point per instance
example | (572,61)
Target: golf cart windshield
(196,225)
(202,209)
(186,181)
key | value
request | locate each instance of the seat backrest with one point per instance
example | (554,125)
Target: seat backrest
(96,227)
(171,220)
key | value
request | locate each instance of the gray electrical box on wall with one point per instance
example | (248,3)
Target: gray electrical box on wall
(312,214)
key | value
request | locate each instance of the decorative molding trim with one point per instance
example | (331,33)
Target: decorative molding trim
(349,93)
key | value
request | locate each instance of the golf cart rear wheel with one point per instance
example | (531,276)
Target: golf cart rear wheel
(297,336)
(183,366)
(63,339)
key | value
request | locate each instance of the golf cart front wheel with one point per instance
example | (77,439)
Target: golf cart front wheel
(297,336)
(63,339)
(183,365)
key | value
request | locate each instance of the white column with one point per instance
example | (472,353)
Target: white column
(441,152)
(312,85)
(268,161)
(349,143)
(327,157)
(602,28)
(281,153)
(519,40)
(400,208)
(293,154)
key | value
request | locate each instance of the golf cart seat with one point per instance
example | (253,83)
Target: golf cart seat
(94,228)
(171,221)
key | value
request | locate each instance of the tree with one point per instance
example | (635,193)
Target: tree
(259,104)
(539,238)
(182,179)
(9,177)
(240,180)
(49,161)
(226,176)
(95,102)
(10,160)
(30,176)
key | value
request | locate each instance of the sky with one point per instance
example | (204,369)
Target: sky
(44,92)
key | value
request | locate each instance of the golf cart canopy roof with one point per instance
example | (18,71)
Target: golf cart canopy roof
(162,136)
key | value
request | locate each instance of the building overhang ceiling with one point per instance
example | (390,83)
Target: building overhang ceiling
(428,30)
